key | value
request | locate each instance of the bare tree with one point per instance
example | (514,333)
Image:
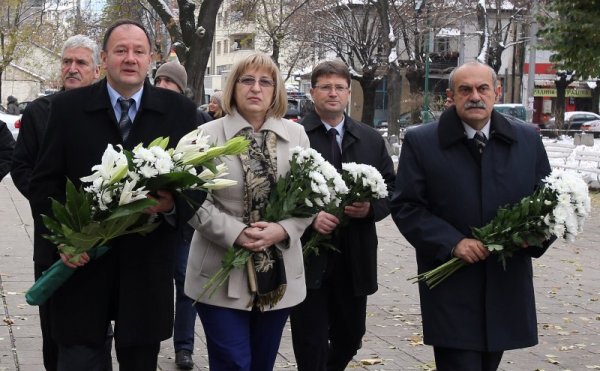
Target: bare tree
(191,37)
(17,23)
(283,24)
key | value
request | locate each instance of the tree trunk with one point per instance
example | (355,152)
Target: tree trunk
(561,84)
(416,81)
(276,49)
(394,97)
(368,111)
(596,97)
(201,47)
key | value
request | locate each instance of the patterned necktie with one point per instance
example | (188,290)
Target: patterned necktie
(480,141)
(125,121)
(336,154)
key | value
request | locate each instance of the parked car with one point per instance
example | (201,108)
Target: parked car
(574,119)
(592,127)
(13,122)
(512,109)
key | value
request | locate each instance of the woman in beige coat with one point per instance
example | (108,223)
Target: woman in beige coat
(243,328)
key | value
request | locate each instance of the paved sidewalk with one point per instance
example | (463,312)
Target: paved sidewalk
(567,282)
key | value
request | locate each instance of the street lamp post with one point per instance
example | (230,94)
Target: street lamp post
(425,111)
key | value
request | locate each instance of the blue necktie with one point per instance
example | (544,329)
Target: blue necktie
(125,121)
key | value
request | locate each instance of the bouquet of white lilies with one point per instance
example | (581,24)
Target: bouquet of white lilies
(310,184)
(363,183)
(558,208)
(113,203)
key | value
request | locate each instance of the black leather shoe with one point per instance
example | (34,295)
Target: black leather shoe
(183,360)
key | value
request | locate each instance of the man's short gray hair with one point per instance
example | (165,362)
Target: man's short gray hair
(472,63)
(82,41)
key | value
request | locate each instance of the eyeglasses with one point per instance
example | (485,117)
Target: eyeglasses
(327,88)
(251,80)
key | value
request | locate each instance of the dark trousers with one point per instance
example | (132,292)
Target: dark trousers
(328,326)
(185,313)
(49,346)
(81,357)
(447,359)
(239,340)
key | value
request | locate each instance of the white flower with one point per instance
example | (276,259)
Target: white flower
(129,194)
(164,165)
(148,171)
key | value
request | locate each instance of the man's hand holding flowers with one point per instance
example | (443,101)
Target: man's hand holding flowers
(358,210)
(471,250)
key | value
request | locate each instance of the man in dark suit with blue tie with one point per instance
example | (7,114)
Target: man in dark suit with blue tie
(132,284)
(327,328)
(454,175)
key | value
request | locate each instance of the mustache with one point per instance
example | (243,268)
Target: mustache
(479,104)
(75,75)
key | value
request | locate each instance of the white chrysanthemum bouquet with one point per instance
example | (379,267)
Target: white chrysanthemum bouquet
(310,184)
(113,202)
(363,183)
(558,208)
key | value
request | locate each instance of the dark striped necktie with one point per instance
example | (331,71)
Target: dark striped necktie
(480,141)
(125,121)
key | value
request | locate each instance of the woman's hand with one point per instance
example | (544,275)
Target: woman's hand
(262,235)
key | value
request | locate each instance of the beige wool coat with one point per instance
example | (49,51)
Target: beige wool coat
(219,222)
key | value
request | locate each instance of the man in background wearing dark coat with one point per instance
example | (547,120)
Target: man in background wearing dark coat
(7,143)
(132,284)
(80,66)
(454,175)
(327,328)
(172,76)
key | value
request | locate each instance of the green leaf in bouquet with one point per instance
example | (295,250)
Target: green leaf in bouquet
(83,240)
(210,165)
(135,207)
(52,225)
(77,206)
(497,248)
(60,213)
(172,181)
(161,142)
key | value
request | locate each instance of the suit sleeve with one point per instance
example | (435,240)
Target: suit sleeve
(48,175)
(7,144)
(27,148)
(380,208)
(430,235)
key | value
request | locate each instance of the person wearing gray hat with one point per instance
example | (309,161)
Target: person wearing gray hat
(171,75)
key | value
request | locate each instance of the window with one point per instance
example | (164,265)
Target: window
(442,45)
(223,68)
(225,46)
(218,48)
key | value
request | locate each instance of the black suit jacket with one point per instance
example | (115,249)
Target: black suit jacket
(442,191)
(7,143)
(357,241)
(133,280)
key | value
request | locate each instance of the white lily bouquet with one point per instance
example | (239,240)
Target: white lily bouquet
(558,208)
(310,184)
(364,183)
(113,203)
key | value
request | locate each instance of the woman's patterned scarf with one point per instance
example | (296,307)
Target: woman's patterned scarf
(266,271)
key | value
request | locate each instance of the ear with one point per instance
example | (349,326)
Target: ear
(103,58)
(498,90)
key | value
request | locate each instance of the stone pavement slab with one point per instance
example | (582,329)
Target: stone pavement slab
(567,281)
